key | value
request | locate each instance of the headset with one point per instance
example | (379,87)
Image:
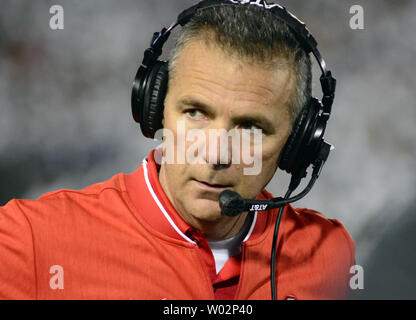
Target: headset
(305,146)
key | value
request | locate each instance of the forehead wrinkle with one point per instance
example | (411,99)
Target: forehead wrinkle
(193,64)
(236,92)
(231,64)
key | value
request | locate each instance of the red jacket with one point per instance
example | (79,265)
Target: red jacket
(122,239)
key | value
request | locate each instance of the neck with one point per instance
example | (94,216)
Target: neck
(221,229)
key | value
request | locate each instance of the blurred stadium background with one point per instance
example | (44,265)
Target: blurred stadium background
(65,117)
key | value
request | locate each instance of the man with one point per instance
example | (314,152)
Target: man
(159,233)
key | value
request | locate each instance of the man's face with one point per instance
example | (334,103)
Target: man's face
(211,90)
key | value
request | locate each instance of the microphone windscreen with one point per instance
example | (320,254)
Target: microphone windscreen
(231,203)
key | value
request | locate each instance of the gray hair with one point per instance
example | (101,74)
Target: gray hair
(254,34)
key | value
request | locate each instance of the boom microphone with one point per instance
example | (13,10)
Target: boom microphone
(232,204)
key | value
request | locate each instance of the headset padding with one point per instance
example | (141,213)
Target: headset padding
(294,141)
(310,141)
(154,99)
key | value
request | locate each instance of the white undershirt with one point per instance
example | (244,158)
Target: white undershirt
(224,249)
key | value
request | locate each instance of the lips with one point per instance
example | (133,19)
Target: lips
(216,185)
(213,186)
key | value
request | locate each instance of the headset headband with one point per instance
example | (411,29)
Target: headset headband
(297,27)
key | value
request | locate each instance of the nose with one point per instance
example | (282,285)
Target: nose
(218,148)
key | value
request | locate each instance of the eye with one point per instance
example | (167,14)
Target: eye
(195,114)
(250,126)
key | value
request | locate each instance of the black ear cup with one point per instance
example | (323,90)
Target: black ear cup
(305,139)
(154,93)
(287,154)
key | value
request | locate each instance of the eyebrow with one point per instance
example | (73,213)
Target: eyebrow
(195,103)
(257,119)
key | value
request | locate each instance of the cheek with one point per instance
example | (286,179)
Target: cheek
(176,179)
(272,149)
(174,140)
(251,185)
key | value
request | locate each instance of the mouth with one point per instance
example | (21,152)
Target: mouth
(213,187)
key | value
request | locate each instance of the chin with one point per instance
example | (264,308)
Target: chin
(207,210)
